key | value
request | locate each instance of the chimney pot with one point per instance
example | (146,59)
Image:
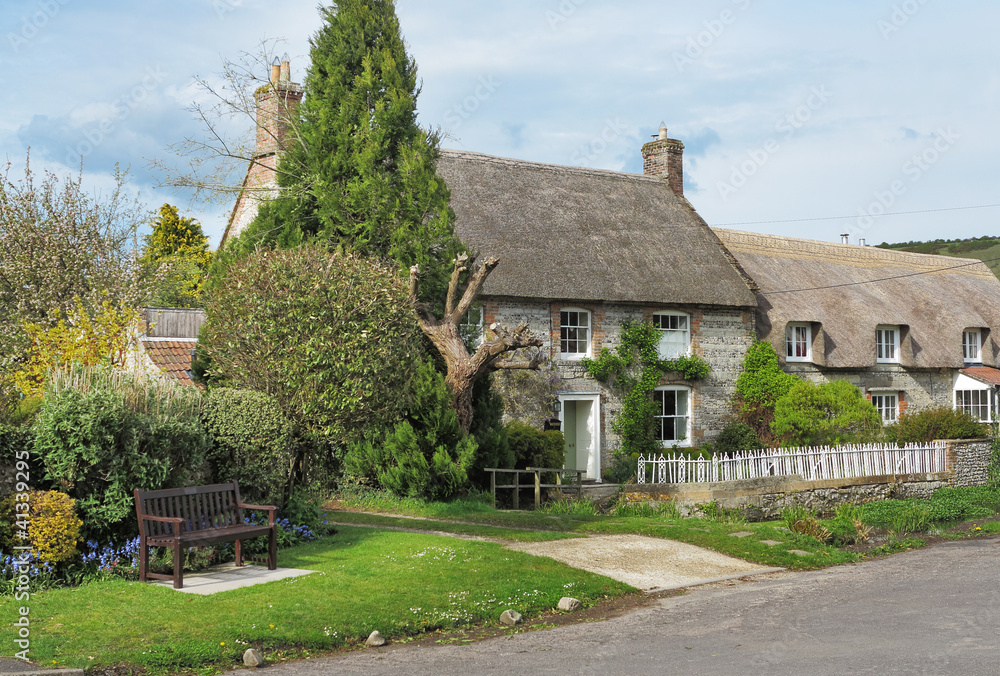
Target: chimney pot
(861,242)
(663,131)
(845,238)
(286,68)
(275,70)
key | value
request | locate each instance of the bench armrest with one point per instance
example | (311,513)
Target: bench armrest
(270,509)
(178,523)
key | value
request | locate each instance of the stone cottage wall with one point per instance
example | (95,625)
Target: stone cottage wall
(920,388)
(719,335)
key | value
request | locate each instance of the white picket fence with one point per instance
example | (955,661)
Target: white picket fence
(812,464)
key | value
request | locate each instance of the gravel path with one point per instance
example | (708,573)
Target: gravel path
(649,564)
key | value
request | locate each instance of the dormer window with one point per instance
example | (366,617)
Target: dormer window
(798,342)
(887,344)
(971,346)
(675,334)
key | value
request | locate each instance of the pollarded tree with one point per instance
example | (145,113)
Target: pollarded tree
(465,368)
(175,257)
(359,170)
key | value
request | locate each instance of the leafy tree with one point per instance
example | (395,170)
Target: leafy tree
(759,387)
(175,256)
(831,413)
(105,338)
(359,171)
(62,247)
(940,422)
(330,336)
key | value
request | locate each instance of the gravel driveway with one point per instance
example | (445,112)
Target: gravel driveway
(649,564)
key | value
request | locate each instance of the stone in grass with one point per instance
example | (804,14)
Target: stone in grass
(252,658)
(510,618)
(741,534)
(375,640)
(770,543)
(799,552)
(569,604)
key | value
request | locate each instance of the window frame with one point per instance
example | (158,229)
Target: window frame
(666,331)
(473,334)
(565,327)
(794,327)
(971,408)
(687,416)
(894,345)
(966,344)
(884,394)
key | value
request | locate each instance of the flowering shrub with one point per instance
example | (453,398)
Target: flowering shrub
(54,529)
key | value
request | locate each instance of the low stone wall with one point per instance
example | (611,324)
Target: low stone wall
(968,460)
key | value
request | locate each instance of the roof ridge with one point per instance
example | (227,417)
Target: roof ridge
(544,166)
(849,254)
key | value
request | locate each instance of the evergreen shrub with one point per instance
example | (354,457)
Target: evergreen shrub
(103,433)
(941,422)
(253,442)
(427,454)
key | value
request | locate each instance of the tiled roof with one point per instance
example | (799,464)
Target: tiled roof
(985,374)
(173,356)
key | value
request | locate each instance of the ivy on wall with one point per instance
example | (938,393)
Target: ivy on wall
(633,371)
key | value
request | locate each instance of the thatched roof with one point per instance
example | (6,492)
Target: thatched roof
(588,235)
(851,289)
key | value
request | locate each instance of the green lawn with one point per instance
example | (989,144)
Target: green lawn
(716,535)
(399,583)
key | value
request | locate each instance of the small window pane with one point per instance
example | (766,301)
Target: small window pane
(887,406)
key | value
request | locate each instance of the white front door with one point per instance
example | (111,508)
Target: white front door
(581,428)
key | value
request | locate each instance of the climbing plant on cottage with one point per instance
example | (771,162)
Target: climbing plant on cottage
(634,370)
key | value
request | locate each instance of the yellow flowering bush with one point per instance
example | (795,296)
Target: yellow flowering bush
(53,526)
(103,337)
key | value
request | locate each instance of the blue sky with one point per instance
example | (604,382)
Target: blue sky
(788,110)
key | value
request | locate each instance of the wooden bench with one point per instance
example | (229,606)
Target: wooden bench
(180,518)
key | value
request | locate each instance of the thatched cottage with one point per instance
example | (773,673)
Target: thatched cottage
(581,251)
(911,330)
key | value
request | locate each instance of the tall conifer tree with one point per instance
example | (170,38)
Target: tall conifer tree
(358,170)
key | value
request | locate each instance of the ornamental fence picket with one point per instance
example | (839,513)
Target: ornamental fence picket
(812,464)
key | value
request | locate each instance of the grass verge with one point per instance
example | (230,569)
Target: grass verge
(402,584)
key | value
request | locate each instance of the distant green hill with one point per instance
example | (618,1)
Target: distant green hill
(983,248)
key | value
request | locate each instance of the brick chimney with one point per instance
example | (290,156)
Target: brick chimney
(664,157)
(276,104)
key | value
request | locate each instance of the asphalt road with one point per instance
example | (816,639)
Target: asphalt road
(931,611)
